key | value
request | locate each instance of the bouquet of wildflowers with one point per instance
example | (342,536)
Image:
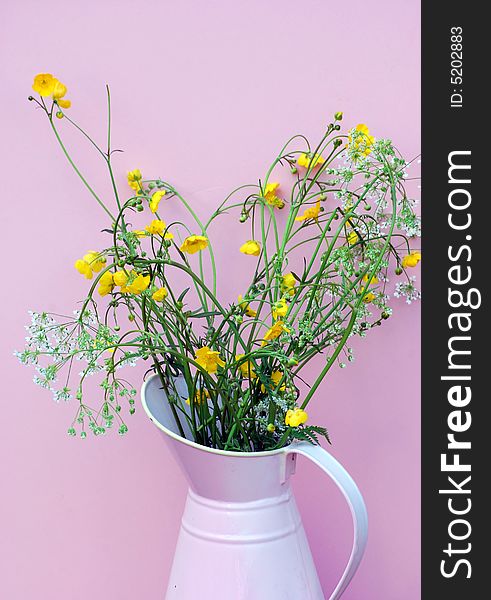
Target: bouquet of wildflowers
(320,250)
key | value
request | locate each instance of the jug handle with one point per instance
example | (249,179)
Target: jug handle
(353,496)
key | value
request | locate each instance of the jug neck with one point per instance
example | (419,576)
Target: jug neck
(233,476)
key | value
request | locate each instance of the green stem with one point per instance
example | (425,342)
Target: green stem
(85,182)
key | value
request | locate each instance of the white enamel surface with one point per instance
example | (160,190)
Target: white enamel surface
(241,535)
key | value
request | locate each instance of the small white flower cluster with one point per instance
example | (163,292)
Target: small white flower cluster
(407,289)
(80,338)
(411,225)
(261,411)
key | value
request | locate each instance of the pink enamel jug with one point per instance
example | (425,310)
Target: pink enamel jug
(241,534)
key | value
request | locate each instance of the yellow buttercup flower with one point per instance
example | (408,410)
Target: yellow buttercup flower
(363,142)
(310,213)
(106,284)
(352,238)
(295,417)
(96,261)
(280,309)
(156,227)
(120,278)
(59,93)
(251,247)
(139,284)
(373,280)
(369,298)
(44,84)
(155,200)
(83,268)
(92,262)
(134,175)
(274,332)
(59,90)
(194,243)
(199,396)
(208,359)
(288,283)
(47,85)
(160,294)
(276,377)
(139,232)
(271,189)
(134,179)
(310,160)
(362,128)
(245,307)
(412,259)
(246,367)
(270,195)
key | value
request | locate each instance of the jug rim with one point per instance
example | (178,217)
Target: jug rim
(193,444)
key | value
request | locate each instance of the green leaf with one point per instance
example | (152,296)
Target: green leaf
(181,296)
(199,315)
(310,433)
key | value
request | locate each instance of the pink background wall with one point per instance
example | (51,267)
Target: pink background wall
(204,94)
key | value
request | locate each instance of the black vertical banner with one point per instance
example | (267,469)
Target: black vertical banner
(456,355)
